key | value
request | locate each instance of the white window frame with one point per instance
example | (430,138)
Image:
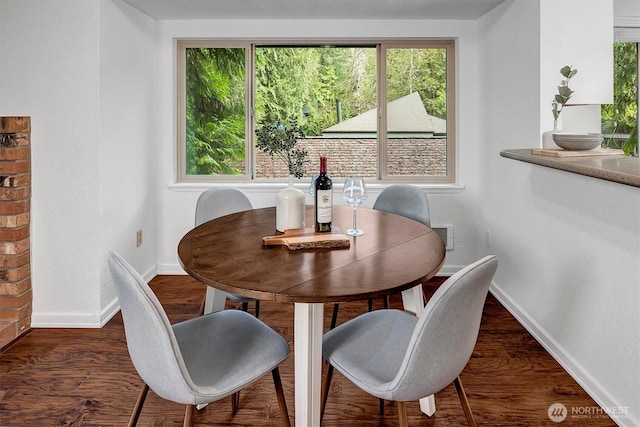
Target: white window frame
(250,149)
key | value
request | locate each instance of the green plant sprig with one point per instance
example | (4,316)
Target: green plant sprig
(564,93)
(280,139)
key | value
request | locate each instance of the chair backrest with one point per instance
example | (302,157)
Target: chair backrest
(446,332)
(150,338)
(405,200)
(217,202)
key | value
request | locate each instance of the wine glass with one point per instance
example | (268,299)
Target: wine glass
(312,186)
(354,194)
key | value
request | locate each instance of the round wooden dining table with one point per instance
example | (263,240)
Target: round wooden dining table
(395,254)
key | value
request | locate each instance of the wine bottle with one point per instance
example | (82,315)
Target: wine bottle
(323,198)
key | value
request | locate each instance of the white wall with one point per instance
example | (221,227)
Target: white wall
(90,126)
(627,12)
(49,71)
(127,141)
(569,245)
(570,36)
(453,206)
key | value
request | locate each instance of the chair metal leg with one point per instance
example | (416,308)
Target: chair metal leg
(280,393)
(245,306)
(370,304)
(235,403)
(465,403)
(325,390)
(402,414)
(188,416)
(257,309)
(139,403)
(381,404)
(201,309)
(334,316)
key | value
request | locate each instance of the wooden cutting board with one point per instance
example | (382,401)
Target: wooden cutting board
(307,238)
(560,152)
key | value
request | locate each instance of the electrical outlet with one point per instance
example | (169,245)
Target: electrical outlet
(487,238)
(139,238)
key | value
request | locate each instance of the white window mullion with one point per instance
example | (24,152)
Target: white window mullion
(382,111)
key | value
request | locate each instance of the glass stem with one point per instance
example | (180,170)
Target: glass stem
(354,218)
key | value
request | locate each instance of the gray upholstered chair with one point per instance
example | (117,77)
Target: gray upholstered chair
(395,355)
(405,200)
(214,203)
(197,361)
(400,199)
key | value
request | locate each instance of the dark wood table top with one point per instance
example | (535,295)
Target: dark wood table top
(394,254)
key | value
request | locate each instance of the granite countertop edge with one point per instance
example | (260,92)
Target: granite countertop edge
(616,168)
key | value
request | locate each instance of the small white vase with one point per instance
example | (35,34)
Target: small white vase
(289,207)
(547,137)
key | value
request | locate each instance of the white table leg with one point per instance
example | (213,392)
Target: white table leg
(413,301)
(214,300)
(307,341)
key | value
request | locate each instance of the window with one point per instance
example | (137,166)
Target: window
(620,119)
(226,90)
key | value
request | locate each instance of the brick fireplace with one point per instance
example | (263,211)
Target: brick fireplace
(15,241)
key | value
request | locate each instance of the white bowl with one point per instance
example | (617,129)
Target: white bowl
(578,142)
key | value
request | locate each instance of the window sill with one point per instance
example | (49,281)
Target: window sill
(619,169)
(274,186)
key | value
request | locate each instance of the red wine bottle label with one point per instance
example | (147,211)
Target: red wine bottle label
(324,200)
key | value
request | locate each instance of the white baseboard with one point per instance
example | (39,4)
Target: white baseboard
(170,269)
(67,320)
(83,320)
(591,385)
(449,270)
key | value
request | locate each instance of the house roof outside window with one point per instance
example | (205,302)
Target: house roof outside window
(407,118)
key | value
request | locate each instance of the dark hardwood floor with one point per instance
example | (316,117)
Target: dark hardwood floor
(84,377)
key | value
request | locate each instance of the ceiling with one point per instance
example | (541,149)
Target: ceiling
(314,9)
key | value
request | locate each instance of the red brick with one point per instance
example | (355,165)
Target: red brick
(15,153)
(14,167)
(15,124)
(14,181)
(8,140)
(14,140)
(13,234)
(15,274)
(19,193)
(23,139)
(18,220)
(9,260)
(8,332)
(17,300)
(16,247)
(14,207)
(15,313)
(24,324)
(15,306)
(15,288)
